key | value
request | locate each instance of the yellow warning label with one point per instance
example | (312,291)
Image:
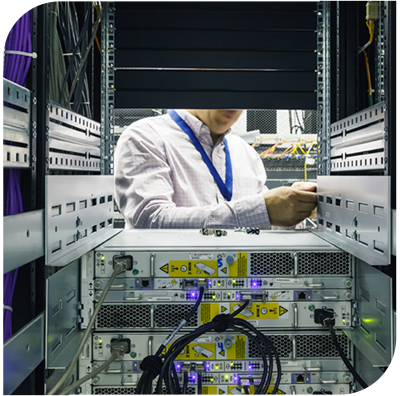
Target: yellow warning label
(268,310)
(194,268)
(208,311)
(237,391)
(197,351)
(223,309)
(239,266)
(165,268)
(222,353)
(271,389)
(209,390)
(282,311)
(238,349)
(234,390)
(221,392)
(224,270)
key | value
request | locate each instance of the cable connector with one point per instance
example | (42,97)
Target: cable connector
(324,316)
(123,263)
(121,346)
(372,10)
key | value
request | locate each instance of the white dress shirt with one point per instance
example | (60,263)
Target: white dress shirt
(161,180)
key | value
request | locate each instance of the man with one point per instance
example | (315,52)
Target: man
(184,170)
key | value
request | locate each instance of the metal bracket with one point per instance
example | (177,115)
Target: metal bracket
(22,354)
(373,336)
(354,214)
(16,126)
(78,216)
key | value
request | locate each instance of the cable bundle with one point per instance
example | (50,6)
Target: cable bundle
(16,69)
(77,47)
(163,365)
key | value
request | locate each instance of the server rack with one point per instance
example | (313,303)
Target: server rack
(332,89)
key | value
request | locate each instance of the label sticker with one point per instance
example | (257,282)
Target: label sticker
(194,269)
(239,266)
(238,348)
(208,311)
(197,351)
(209,390)
(267,310)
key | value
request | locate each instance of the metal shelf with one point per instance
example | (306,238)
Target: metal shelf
(23,352)
(28,229)
(74,141)
(16,125)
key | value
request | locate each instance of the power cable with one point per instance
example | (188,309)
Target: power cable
(119,268)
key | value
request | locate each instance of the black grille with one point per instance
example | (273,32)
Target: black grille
(124,316)
(118,390)
(170,315)
(320,345)
(271,263)
(282,344)
(324,263)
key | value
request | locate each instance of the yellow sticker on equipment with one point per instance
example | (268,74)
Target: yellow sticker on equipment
(267,310)
(193,268)
(197,351)
(239,266)
(236,390)
(238,349)
(209,390)
(208,311)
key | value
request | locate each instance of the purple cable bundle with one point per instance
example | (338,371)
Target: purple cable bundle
(16,69)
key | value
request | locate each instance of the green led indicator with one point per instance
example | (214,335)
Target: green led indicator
(133,355)
(135,272)
(311,307)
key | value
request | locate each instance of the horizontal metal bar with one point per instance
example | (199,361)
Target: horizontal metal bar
(396,332)
(72,147)
(366,156)
(70,156)
(64,115)
(16,94)
(15,125)
(396,232)
(354,213)
(23,352)
(64,133)
(23,239)
(362,119)
(368,134)
(16,157)
(79,215)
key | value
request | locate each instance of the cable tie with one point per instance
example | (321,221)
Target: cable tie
(12,52)
(8,307)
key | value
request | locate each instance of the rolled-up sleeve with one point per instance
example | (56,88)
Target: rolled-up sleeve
(144,191)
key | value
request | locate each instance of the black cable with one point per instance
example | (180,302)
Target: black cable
(344,357)
(246,390)
(185,382)
(199,384)
(175,381)
(187,318)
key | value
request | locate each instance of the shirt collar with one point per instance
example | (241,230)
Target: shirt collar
(201,130)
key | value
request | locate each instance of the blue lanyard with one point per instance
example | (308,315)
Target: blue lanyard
(225,188)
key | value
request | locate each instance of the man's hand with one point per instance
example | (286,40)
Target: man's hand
(288,206)
(304,186)
(307,186)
